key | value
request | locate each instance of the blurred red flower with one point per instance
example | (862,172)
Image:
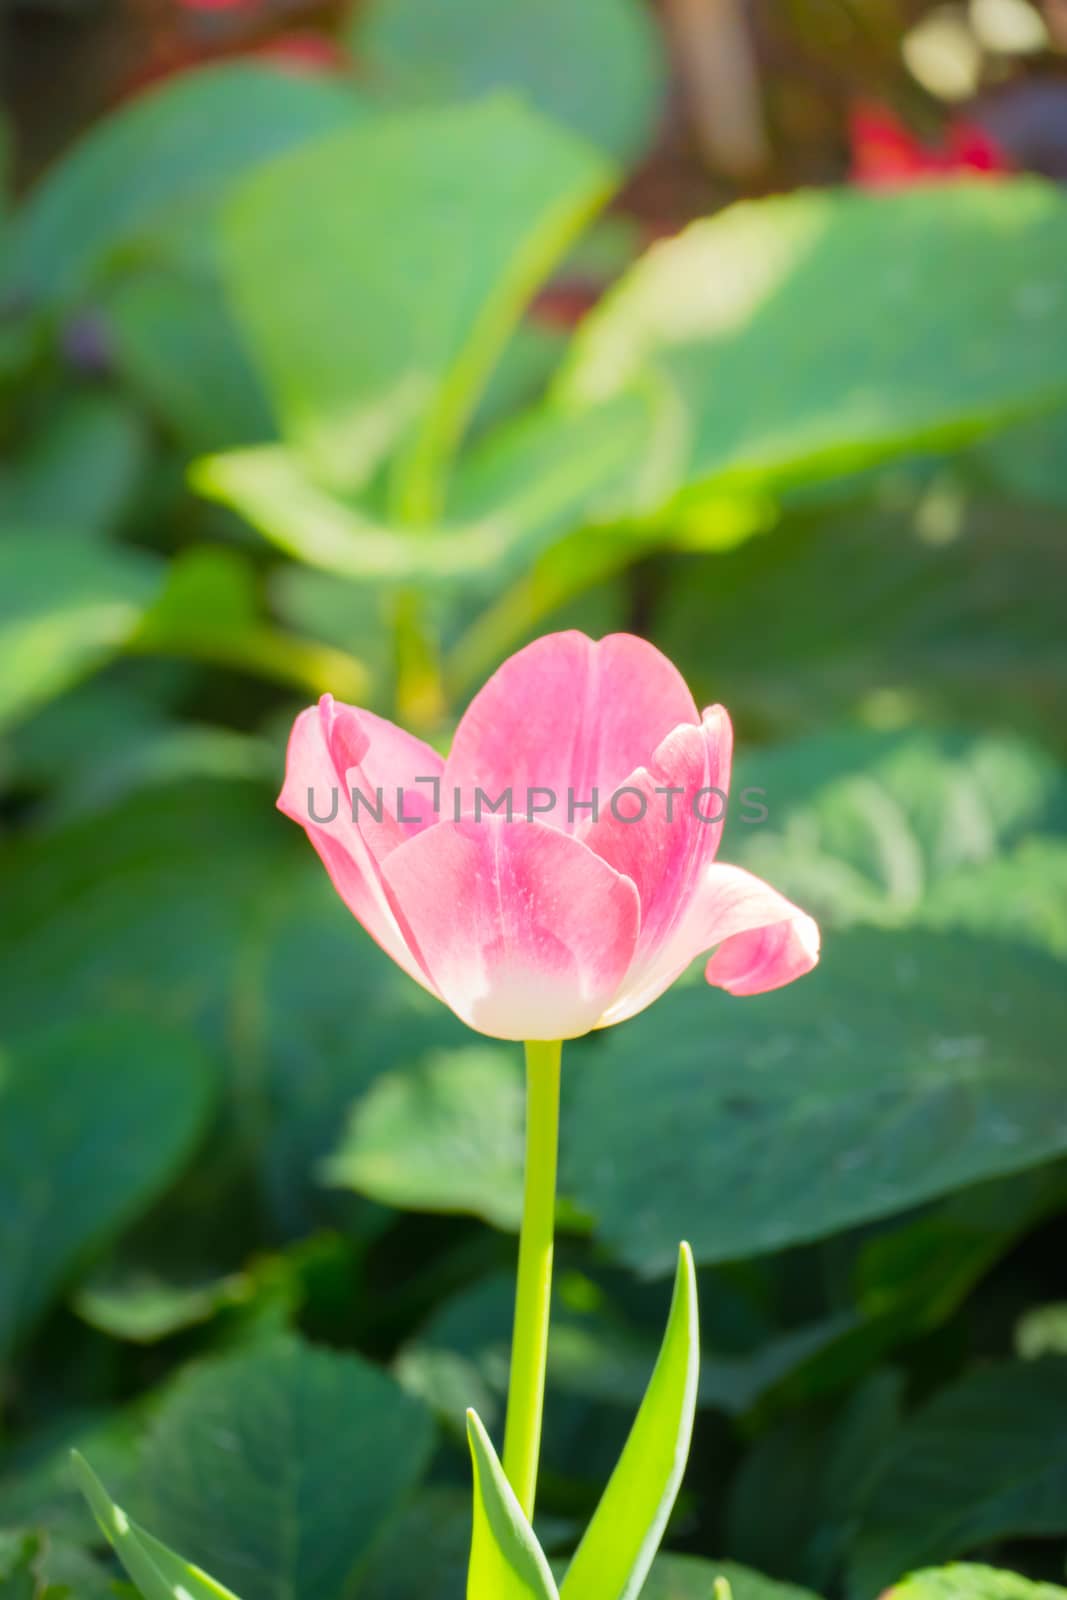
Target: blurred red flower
(885,152)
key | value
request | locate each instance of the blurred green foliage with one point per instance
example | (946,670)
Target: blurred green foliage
(282,413)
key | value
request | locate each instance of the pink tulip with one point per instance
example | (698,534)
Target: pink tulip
(555,920)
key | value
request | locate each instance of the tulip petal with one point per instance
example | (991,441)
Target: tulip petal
(567,715)
(315,796)
(524,931)
(761,941)
(391,778)
(666,826)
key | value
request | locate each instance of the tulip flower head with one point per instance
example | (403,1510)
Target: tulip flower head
(557,872)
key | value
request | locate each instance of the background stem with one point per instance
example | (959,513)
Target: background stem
(529,1345)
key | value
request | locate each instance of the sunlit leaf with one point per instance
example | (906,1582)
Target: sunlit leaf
(964,1581)
(67,603)
(693,1578)
(507,1563)
(920,827)
(618,1547)
(896,1072)
(209,611)
(328,221)
(772,365)
(322,1450)
(158,1573)
(446,1134)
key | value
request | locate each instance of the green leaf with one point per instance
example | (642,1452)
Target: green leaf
(932,605)
(176,345)
(20,1555)
(1028,461)
(36,1485)
(80,468)
(830,1457)
(897,1071)
(144,1307)
(354,220)
(963,1581)
(210,611)
(96,1117)
(320,1450)
(426,1548)
(912,828)
(513,494)
(34,1565)
(693,1578)
(985,1459)
(507,1563)
(67,603)
(619,1545)
(161,165)
(772,366)
(597,68)
(445,1134)
(269,980)
(158,1573)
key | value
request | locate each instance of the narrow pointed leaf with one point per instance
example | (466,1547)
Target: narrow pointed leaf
(619,1546)
(158,1573)
(507,1563)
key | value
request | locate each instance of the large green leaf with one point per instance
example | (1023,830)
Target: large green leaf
(67,603)
(929,603)
(985,1459)
(906,1065)
(692,1578)
(95,1118)
(618,1547)
(209,610)
(318,1451)
(916,827)
(507,1563)
(158,1573)
(79,468)
(773,363)
(198,903)
(829,1457)
(159,166)
(373,318)
(20,1555)
(143,908)
(1029,460)
(512,496)
(445,1134)
(597,67)
(965,1581)
(36,1566)
(176,345)
(37,1489)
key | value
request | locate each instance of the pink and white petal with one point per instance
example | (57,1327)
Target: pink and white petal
(391,778)
(665,825)
(760,940)
(316,798)
(525,933)
(567,714)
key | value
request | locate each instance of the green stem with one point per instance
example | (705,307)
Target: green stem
(529,1344)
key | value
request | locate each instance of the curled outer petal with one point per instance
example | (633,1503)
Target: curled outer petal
(759,938)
